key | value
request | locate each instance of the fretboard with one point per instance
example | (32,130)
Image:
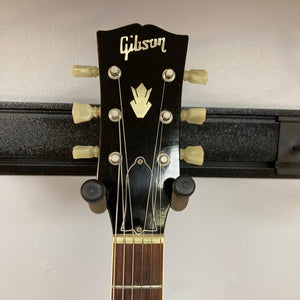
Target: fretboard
(137,267)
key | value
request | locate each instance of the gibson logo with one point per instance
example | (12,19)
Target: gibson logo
(132,44)
(141,103)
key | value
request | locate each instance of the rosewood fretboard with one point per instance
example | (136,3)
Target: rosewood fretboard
(137,267)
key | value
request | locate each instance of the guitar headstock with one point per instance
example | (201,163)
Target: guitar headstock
(141,71)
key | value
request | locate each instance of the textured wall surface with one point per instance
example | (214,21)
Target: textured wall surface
(239,238)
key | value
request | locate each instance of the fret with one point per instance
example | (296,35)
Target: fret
(138,295)
(138,287)
(137,267)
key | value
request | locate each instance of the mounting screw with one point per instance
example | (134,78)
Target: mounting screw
(140,161)
(138,229)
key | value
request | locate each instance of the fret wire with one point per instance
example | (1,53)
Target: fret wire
(157,239)
(138,286)
(157,272)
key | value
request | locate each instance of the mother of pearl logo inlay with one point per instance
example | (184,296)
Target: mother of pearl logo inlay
(140,104)
(131,43)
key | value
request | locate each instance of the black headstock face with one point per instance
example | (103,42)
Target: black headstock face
(132,61)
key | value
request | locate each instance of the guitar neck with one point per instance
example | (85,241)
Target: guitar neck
(137,267)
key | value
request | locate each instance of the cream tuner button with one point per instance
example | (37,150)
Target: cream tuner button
(194,115)
(80,152)
(83,112)
(85,71)
(192,155)
(196,76)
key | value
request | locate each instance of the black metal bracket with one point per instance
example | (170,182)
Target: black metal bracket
(288,160)
(37,139)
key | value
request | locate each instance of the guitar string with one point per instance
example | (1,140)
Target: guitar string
(133,245)
(120,170)
(120,178)
(154,202)
(161,262)
(132,232)
(154,193)
(158,179)
(123,209)
(160,244)
(154,156)
(158,183)
(122,193)
(160,190)
(115,237)
(130,206)
(151,182)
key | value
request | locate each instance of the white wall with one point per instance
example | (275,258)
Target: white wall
(239,238)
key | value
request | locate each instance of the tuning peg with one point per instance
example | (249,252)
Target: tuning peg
(192,155)
(183,188)
(83,112)
(193,115)
(85,152)
(85,71)
(94,193)
(195,76)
